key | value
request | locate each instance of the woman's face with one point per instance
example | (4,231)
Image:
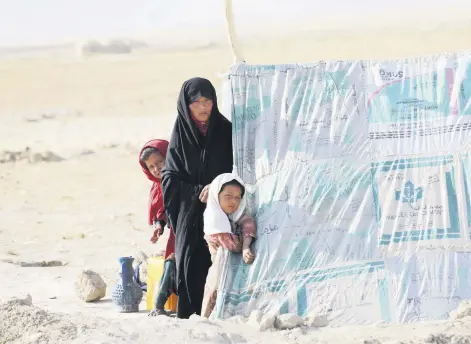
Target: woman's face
(229,198)
(201,109)
(155,163)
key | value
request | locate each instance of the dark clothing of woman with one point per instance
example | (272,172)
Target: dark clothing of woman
(194,159)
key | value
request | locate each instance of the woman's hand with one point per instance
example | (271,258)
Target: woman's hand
(204,194)
(158,231)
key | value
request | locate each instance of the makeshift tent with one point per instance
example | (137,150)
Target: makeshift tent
(358,175)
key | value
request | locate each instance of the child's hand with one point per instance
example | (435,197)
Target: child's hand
(158,231)
(212,246)
(248,255)
(204,194)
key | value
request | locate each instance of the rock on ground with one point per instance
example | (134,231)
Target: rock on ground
(261,321)
(288,321)
(317,321)
(23,300)
(463,310)
(90,286)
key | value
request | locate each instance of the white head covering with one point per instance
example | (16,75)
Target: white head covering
(215,220)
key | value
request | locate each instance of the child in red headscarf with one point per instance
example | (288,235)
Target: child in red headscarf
(152,160)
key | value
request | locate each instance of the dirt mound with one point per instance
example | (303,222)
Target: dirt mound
(29,156)
(21,322)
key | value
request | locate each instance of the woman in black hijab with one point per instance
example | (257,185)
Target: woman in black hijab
(200,149)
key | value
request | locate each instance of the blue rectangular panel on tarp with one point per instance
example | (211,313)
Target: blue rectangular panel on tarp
(358,176)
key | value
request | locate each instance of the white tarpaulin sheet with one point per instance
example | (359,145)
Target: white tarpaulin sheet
(357,174)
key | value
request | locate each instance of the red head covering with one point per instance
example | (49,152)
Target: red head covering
(156,199)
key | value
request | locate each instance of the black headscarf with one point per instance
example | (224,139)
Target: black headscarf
(193,161)
(191,91)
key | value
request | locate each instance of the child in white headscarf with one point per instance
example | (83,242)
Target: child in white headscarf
(225,222)
(226,226)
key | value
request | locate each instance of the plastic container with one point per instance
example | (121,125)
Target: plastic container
(155,270)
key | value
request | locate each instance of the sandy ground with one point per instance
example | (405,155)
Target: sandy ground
(84,202)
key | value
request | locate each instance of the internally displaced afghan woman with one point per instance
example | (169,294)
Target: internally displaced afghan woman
(200,149)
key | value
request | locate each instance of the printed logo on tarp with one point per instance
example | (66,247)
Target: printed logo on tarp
(387,75)
(410,194)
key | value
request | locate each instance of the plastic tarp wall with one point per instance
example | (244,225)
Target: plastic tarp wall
(357,174)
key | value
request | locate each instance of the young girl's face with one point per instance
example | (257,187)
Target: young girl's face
(155,163)
(229,198)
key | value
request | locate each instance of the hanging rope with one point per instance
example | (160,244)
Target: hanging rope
(232,34)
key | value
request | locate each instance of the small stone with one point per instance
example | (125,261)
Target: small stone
(90,286)
(24,300)
(317,321)
(371,341)
(267,322)
(87,152)
(463,310)
(288,321)
(260,321)
(51,157)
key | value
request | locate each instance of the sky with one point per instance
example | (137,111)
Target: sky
(42,21)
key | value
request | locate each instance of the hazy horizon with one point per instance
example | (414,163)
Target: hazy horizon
(28,22)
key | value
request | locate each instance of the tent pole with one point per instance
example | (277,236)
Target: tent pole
(236,54)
